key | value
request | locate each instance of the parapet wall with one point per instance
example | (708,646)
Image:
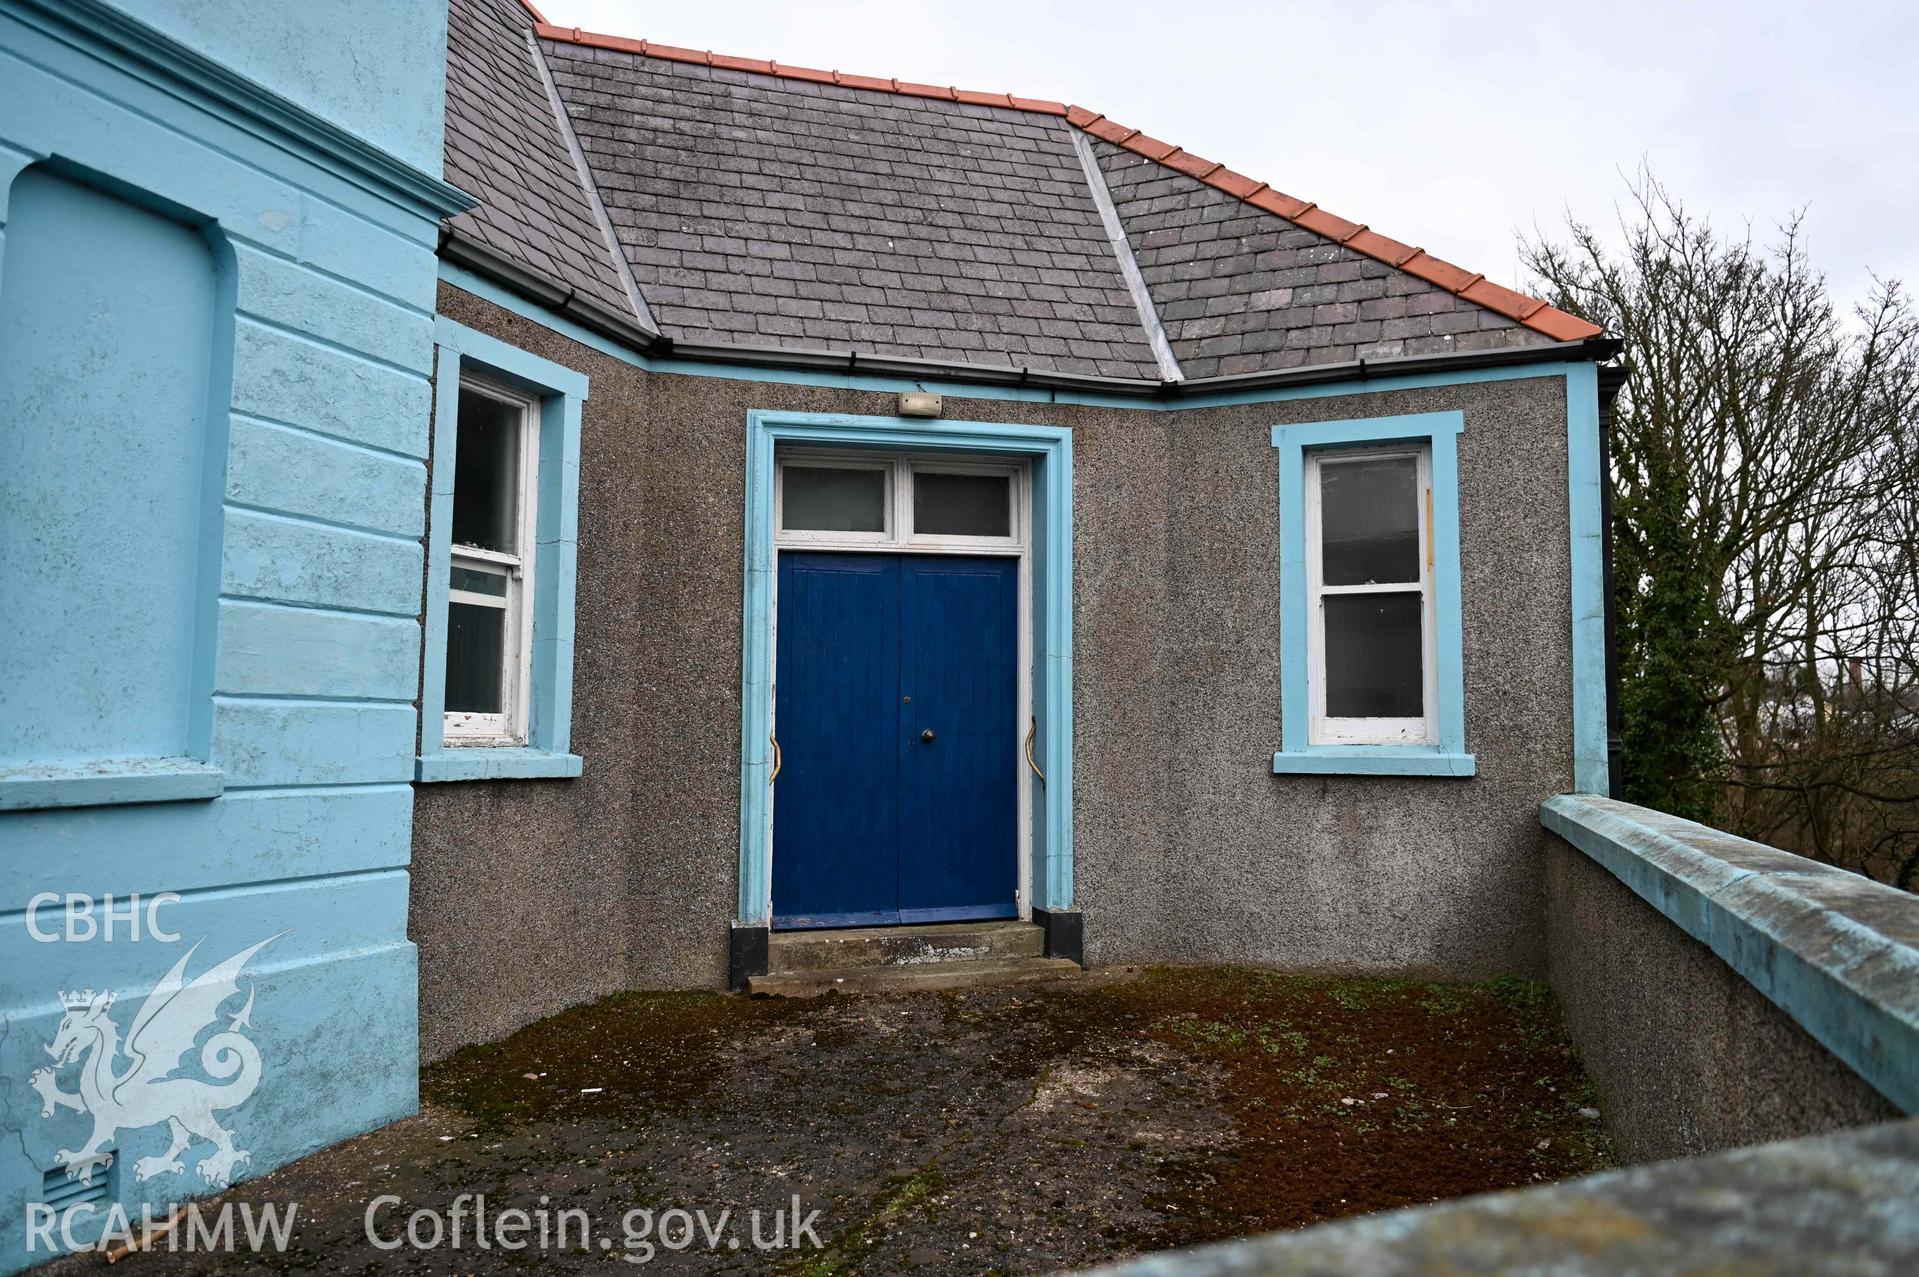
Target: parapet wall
(1723,992)
(1838,1204)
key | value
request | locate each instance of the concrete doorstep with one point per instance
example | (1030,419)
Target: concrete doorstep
(977,974)
(961,955)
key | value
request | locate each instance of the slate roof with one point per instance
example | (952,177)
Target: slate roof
(505,146)
(761,205)
(785,213)
(1240,290)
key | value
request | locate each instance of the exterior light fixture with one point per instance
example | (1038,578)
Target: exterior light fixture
(918,403)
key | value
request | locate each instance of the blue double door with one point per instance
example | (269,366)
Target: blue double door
(896,700)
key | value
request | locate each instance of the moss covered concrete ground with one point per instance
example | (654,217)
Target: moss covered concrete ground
(1016,1130)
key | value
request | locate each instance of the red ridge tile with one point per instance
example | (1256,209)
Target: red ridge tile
(1513,305)
(1379,247)
(942,91)
(1038,106)
(1560,326)
(1189,164)
(804,73)
(1435,271)
(1331,225)
(1238,185)
(573,35)
(672,54)
(1151,147)
(1279,203)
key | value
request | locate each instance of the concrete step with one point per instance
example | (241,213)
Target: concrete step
(793,952)
(925,978)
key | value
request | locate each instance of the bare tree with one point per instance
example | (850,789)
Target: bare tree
(1766,533)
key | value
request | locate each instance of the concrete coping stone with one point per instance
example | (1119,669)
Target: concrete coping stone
(1826,1205)
(1837,952)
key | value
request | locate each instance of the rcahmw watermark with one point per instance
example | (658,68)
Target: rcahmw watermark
(194,1228)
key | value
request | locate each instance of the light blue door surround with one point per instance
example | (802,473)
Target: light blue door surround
(1051,449)
(1582,453)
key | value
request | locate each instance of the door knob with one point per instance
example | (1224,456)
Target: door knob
(927,736)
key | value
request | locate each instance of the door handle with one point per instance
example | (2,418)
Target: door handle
(927,736)
(776,760)
(1031,732)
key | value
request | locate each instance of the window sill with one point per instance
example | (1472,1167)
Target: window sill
(110,781)
(488,763)
(1378,760)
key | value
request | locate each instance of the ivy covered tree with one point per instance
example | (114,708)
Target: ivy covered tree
(1765,520)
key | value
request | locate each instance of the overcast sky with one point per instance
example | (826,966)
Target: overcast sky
(1453,126)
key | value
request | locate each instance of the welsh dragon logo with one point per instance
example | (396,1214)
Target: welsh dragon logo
(145,1091)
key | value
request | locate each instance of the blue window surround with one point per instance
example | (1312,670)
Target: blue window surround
(561,392)
(1051,448)
(1581,380)
(1440,432)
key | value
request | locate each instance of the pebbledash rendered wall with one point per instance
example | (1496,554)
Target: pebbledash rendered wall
(1187,846)
(217,232)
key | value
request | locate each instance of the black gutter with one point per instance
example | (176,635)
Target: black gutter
(462,249)
(458,247)
(1596,349)
(852,361)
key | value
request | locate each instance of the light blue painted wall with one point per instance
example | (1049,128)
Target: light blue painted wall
(376,68)
(108,323)
(249,508)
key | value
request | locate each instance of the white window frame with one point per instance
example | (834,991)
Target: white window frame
(1325,729)
(912,469)
(900,532)
(508,729)
(889,515)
